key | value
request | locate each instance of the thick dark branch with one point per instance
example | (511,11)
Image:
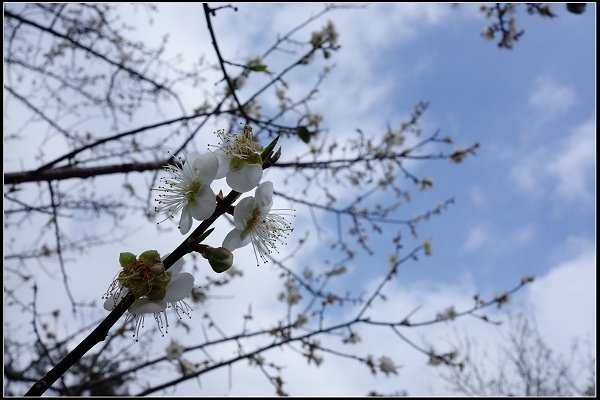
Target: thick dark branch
(119,136)
(12,178)
(97,336)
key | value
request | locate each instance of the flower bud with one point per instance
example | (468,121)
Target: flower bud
(220,259)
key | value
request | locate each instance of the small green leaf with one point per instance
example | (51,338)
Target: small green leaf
(576,8)
(259,68)
(266,153)
(304,134)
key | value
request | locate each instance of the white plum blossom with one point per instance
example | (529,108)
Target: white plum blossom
(386,365)
(179,287)
(239,160)
(174,350)
(255,224)
(188,189)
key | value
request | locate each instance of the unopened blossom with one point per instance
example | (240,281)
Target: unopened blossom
(188,189)
(239,160)
(386,365)
(178,285)
(427,247)
(254,223)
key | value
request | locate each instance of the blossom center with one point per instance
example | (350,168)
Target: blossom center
(242,147)
(252,222)
(145,278)
(192,190)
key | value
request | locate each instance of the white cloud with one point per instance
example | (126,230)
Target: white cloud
(576,159)
(564,300)
(551,97)
(522,235)
(476,238)
(561,168)
(477,195)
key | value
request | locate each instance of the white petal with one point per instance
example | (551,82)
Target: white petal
(243,212)
(113,300)
(180,287)
(204,204)
(145,306)
(189,163)
(110,303)
(224,161)
(176,267)
(264,196)
(185,223)
(205,167)
(246,178)
(234,240)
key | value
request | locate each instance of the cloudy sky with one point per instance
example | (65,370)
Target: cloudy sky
(525,205)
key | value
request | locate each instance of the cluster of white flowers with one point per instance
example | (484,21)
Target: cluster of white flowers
(188,190)
(238,159)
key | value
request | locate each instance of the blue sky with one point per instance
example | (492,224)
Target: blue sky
(525,205)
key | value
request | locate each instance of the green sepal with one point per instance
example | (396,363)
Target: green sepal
(236,163)
(156,294)
(254,159)
(126,259)
(150,255)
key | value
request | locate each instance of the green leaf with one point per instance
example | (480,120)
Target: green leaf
(304,134)
(259,68)
(266,153)
(576,8)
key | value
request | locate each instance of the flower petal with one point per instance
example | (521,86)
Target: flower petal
(234,240)
(113,300)
(180,287)
(224,161)
(185,223)
(264,196)
(145,306)
(243,212)
(246,178)
(188,166)
(205,167)
(204,204)
(176,267)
